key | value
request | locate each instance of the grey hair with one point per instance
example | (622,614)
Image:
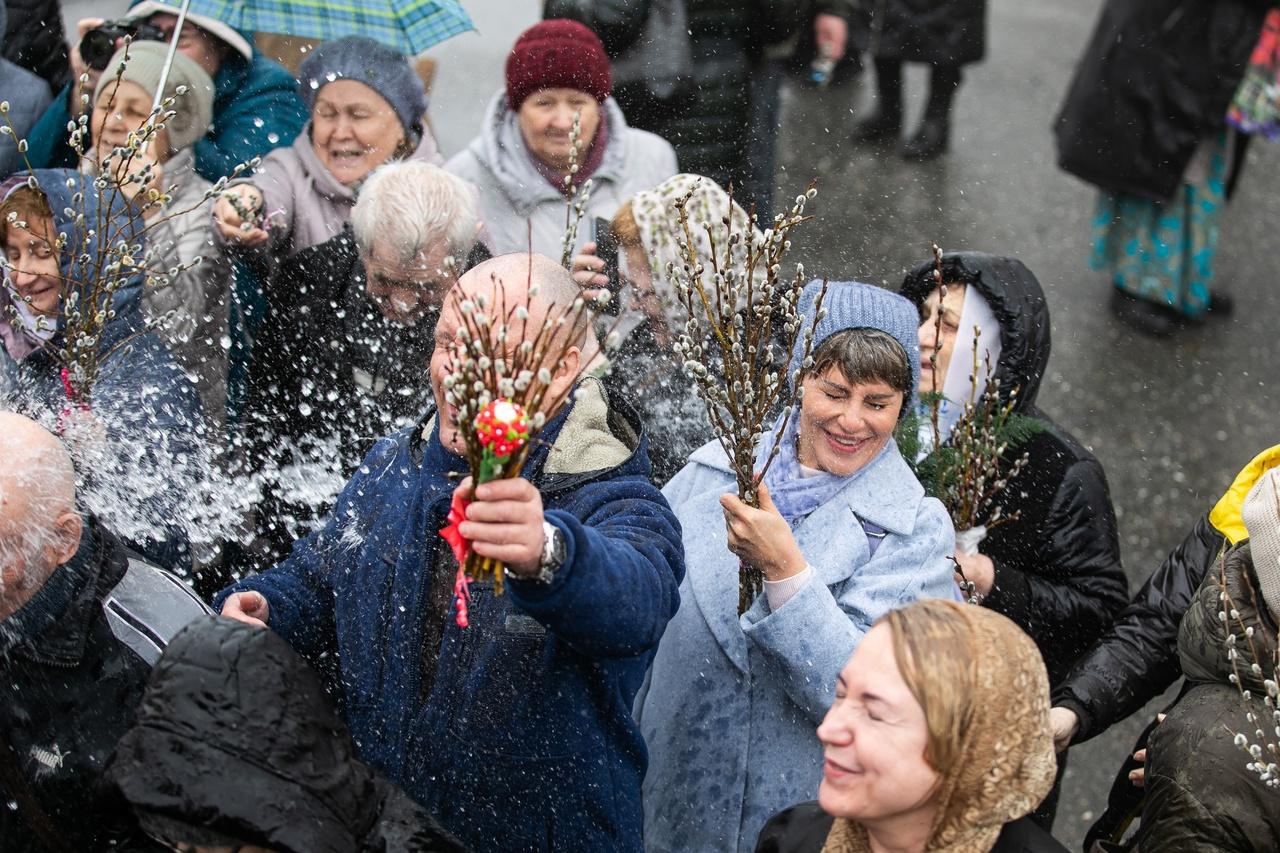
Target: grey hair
(408,207)
(866,355)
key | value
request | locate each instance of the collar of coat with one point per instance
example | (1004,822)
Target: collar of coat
(588,435)
(500,148)
(73,597)
(864,494)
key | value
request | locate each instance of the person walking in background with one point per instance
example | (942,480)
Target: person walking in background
(1144,120)
(519,161)
(843,534)
(945,35)
(938,740)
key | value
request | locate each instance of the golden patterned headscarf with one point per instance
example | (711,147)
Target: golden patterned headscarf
(660,232)
(1002,762)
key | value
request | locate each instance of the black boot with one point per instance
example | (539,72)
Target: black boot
(1159,321)
(931,138)
(886,121)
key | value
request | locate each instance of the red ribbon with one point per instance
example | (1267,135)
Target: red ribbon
(71,395)
(461,547)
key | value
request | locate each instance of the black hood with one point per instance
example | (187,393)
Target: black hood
(236,739)
(1017,300)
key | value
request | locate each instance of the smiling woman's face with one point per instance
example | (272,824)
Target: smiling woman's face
(874,739)
(34,271)
(843,425)
(353,130)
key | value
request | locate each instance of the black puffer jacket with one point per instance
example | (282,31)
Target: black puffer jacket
(74,661)
(236,743)
(1156,79)
(33,38)
(1137,658)
(804,829)
(1200,796)
(1058,572)
(940,32)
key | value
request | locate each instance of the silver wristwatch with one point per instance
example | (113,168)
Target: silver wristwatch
(553,554)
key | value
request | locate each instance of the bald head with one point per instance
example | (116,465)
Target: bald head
(515,273)
(506,282)
(39,526)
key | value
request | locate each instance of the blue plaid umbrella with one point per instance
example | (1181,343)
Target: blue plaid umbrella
(409,26)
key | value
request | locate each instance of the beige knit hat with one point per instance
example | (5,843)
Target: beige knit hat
(1261,514)
(193,109)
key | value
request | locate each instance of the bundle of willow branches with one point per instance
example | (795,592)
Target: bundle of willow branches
(743,324)
(500,375)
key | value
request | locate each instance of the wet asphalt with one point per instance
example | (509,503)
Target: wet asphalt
(1171,420)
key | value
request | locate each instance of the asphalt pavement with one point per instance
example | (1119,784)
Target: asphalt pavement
(1171,420)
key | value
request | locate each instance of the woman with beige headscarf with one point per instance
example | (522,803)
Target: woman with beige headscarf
(645,369)
(938,740)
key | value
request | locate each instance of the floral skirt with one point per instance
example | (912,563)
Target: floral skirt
(1163,252)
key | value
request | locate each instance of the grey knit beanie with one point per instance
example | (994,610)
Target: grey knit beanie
(193,109)
(1261,514)
(853,305)
(366,61)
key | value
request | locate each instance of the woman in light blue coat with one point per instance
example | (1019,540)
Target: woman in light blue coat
(844,534)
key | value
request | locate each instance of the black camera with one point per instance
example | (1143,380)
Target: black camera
(99,44)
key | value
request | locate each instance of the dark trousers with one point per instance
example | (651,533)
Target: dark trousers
(944,80)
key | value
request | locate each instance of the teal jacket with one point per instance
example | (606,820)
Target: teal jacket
(255,108)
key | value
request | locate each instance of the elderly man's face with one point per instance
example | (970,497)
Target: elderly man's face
(510,286)
(407,293)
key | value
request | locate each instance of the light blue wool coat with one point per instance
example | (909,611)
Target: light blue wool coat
(731,704)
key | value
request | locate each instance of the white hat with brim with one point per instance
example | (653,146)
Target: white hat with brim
(224,32)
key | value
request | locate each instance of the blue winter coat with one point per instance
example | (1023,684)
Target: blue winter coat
(255,108)
(148,405)
(730,707)
(525,740)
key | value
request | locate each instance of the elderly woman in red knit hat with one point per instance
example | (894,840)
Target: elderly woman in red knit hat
(557,70)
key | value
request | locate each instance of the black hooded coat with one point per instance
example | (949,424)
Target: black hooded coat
(1057,568)
(236,742)
(939,32)
(1155,80)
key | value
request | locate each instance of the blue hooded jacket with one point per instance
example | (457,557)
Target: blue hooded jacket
(255,108)
(149,407)
(518,733)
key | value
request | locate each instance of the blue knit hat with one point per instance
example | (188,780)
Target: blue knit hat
(366,61)
(854,305)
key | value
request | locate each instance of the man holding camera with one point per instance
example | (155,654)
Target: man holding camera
(255,109)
